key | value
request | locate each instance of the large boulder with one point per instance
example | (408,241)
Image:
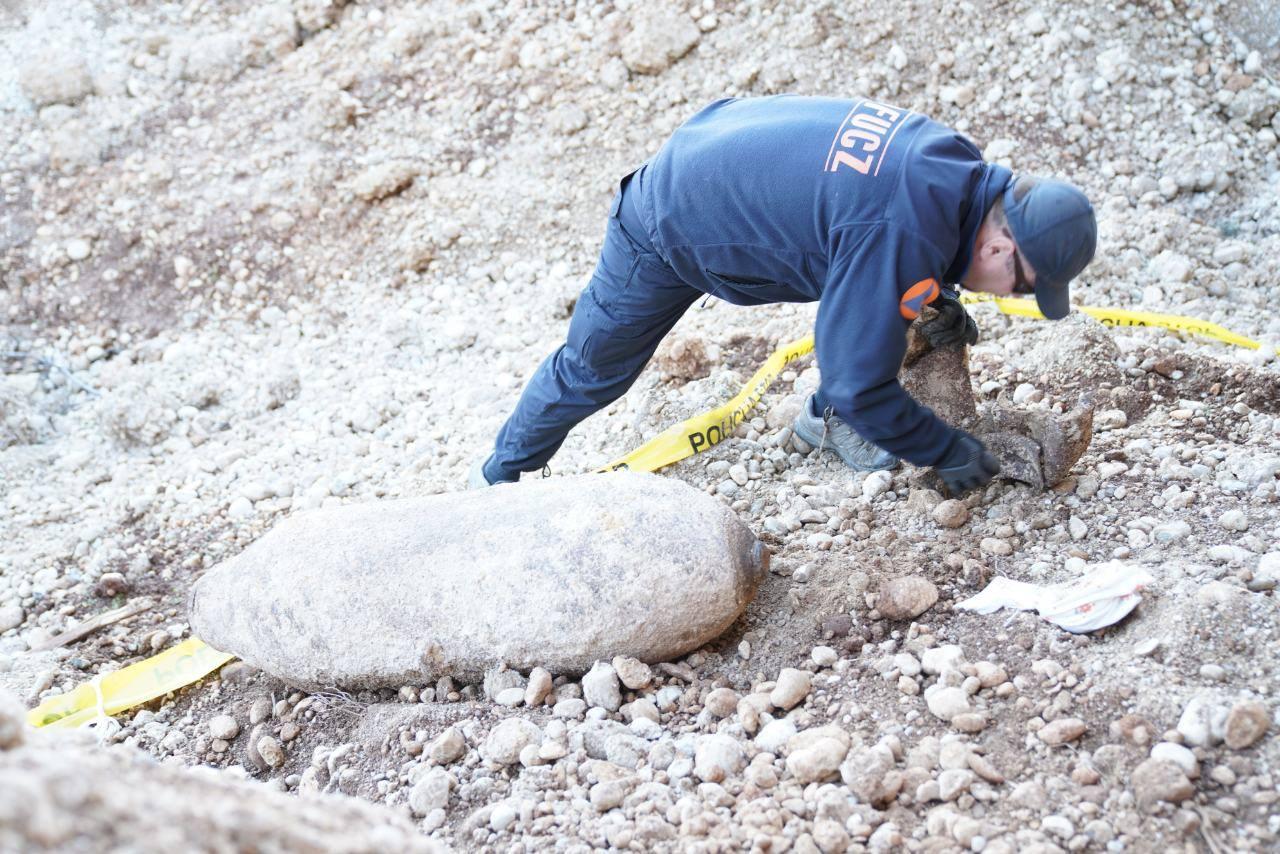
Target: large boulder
(557,572)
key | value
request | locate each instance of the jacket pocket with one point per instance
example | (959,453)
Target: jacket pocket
(742,281)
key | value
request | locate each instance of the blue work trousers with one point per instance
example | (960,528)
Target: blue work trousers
(631,302)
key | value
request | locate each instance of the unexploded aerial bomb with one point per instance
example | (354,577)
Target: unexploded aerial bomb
(558,572)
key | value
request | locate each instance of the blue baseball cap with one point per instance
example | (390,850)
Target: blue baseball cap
(1053,224)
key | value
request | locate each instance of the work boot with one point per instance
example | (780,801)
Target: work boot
(478,476)
(828,432)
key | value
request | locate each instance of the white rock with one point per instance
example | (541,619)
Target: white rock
(1234,520)
(939,658)
(717,758)
(11,616)
(600,687)
(876,483)
(1202,723)
(817,762)
(954,783)
(659,36)
(508,738)
(791,688)
(445,748)
(947,702)
(774,735)
(824,656)
(632,672)
(224,727)
(78,249)
(503,816)
(56,76)
(431,792)
(1178,755)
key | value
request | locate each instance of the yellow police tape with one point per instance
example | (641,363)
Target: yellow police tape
(1122,317)
(192,659)
(130,686)
(709,428)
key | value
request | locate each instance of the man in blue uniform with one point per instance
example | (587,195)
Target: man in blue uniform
(871,210)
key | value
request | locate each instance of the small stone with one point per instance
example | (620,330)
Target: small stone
(499,679)
(824,656)
(1059,826)
(982,766)
(970,722)
(383,180)
(508,738)
(774,735)
(1247,722)
(503,816)
(224,727)
(240,508)
(570,707)
(270,751)
(939,658)
(995,546)
(1061,731)
(632,672)
(1083,775)
(722,702)
(946,702)
(954,783)
(951,513)
(78,249)
(717,757)
(869,773)
(1234,520)
(817,762)
(659,36)
(110,585)
(550,751)
(1160,780)
(445,748)
(56,77)
(538,688)
(1178,755)
(876,484)
(259,710)
(510,697)
(158,640)
(907,597)
(431,792)
(1202,723)
(600,687)
(11,616)
(608,794)
(791,688)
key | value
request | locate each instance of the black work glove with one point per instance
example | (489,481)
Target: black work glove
(967,465)
(952,326)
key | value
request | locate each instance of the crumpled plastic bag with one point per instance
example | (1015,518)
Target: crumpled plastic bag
(1095,600)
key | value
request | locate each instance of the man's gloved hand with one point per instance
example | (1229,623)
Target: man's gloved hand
(952,326)
(967,465)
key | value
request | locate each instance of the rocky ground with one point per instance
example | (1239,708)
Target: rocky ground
(260,258)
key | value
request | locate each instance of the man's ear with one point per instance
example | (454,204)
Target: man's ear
(996,246)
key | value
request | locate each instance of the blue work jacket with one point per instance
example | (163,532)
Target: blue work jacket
(867,208)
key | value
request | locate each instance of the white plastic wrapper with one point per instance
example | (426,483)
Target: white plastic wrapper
(1097,599)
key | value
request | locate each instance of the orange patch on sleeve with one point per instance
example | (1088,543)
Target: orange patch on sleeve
(917,297)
